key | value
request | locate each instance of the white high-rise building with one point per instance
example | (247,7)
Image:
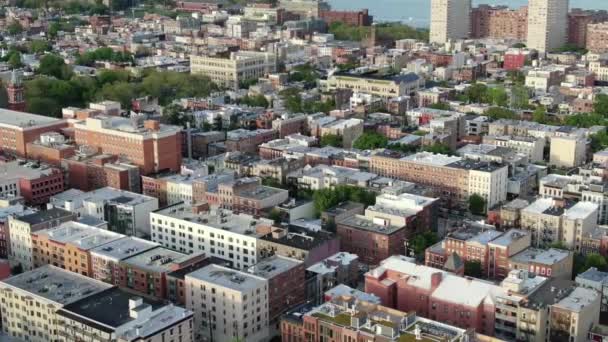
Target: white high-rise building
(450,20)
(547,24)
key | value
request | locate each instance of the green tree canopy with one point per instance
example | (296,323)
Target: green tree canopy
(255,101)
(439,105)
(39,46)
(438,148)
(370,141)
(540,115)
(421,242)
(477,204)
(331,140)
(496,113)
(472,268)
(600,105)
(54,65)
(327,198)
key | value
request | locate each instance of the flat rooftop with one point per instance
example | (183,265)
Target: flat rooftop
(508,237)
(429,158)
(44,216)
(273,266)
(300,238)
(80,235)
(261,192)
(578,299)
(593,274)
(109,308)
(29,170)
(24,120)
(368,224)
(107,194)
(541,256)
(219,219)
(56,284)
(158,259)
(123,248)
(228,278)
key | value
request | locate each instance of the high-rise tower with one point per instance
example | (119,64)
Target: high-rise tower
(547,24)
(450,20)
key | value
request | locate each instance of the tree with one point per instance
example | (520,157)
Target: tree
(439,105)
(583,263)
(497,96)
(477,204)
(255,101)
(472,268)
(520,97)
(327,198)
(559,245)
(519,45)
(276,215)
(39,46)
(331,140)
(54,65)
(496,113)
(438,148)
(14,60)
(110,76)
(370,141)
(272,182)
(122,92)
(421,242)
(43,106)
(600,105)
(540,115)
(476,93)
(14,28)
(54,29)
(599,141)
(175,115)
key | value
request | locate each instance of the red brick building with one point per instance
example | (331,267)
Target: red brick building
(18,128)
(499,22)
(578,21)
(515,59)
(147,272)
(352,18)
(148,144)
(35,183)
(97,171)
(247,141)
(434,294)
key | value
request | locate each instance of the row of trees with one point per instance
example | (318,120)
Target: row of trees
(384,31)
(104,54)
(56,87)
(328,198)
(293,102)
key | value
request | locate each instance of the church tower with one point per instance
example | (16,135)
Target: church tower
(16,93)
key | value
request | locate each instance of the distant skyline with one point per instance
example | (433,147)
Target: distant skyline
(417,12)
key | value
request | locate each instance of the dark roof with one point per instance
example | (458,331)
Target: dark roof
(109,308)
(44,216)
(296,314)
(409,77)
(308,242)
(549,293)
(181,273)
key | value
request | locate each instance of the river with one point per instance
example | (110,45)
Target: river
(417,12)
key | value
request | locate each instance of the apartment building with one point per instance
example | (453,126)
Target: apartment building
(146,272)
(232,70)
(17,129)
(50,148)
(400,85)
(228,304)
(105,259)
(340,269)
(568,152)
(217,233)
(118,315)
(450,20)
(31,301)
(542,79)
(551,221)
(597,37)
(88,172)
(34,182)
(347,129)
(547,24)
(125,212)
(573,316)
(21,229)
(578,188)
(152,146)
(286,283)
(600,70)
(453,178)
(550,263)
(247,141)
(578,22)
(499,22)
(69,246)
(530,146)
(9,209)
(301,244)
(326,177)
(490,248)
(247,195)
(363,320)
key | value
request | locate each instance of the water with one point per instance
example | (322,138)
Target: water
(417,12)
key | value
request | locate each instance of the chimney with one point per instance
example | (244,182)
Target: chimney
(436,280)
(152,125)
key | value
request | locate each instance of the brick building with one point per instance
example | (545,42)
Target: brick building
(106,258)
(597,37)
(51,148)
(499,22)
(578,22)
(247,141)
(91,172)
(352,18)
(151,146)
(36,183)
(18,128)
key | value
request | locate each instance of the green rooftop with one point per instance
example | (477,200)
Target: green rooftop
(340,319)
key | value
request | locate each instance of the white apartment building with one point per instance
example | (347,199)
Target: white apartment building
(530,146)
(600,69)
(30,301)
(568,151)
(126,212)
(228,304)
(450,20)
(238,67)
(21,229)
(490,183)
(552,221)
(547,24)
(219,233)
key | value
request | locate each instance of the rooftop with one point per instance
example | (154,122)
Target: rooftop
(578,299)
(56,284)
(80,235)
(228,278)
(261,192)
(218,218)
(594,275)
(158,259)
(299,238)
(123,248)
(432,159)
(370,224)
(45,216)
(541,256)
(508,237)
(76,198)
(25,170)
(271,267)
(24,120)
